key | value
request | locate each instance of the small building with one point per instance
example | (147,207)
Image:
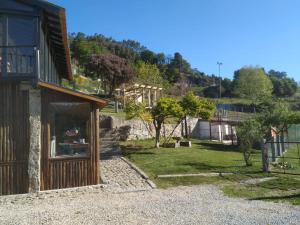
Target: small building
(49,135)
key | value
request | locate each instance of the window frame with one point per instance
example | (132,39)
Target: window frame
(87,156)
(4,74)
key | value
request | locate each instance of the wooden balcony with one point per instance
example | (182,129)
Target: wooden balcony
(19,62)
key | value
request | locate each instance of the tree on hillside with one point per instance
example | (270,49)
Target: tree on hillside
(252,83)
(82,48)
(148,74)
(283,85)
(112,69)
(148,57)
(177,68)
(226,88)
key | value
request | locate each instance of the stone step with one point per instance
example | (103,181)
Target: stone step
(108,135)
(109,139)
(109,146)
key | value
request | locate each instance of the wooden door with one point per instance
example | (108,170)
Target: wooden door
(14,143)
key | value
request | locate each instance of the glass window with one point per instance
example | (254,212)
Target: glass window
(20,60)
(70,125)
(2,23)
(1,41)
(21,31)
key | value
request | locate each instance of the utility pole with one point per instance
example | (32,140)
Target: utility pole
(220,80)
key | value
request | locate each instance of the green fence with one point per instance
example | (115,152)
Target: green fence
(284,152)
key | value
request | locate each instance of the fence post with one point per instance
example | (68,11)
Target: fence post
(273,148)
(265,156)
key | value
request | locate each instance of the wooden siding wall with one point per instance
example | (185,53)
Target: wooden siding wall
(68,172)
(14,139)
(48,68)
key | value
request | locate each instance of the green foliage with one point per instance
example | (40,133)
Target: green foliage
(190,104)
(83,48)
(276,114)
(175,73)
(207,109)
(148,74)
(248,132)
(113,70)
(134,110)
(167,107)
(283,86)
(197,107)
(252,83)
(202,157)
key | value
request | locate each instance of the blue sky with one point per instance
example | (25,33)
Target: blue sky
(235,32)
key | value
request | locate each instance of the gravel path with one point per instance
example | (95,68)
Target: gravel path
(118,176)
(177,206)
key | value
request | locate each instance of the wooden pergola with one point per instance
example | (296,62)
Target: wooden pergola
(139,93)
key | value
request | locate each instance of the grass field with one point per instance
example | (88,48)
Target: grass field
(205,157)
(290,163)
(110,111)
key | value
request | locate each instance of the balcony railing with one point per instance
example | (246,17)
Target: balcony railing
(18,62)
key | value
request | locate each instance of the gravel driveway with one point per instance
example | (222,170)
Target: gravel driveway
(182,205)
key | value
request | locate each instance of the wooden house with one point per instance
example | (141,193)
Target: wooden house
(49,135)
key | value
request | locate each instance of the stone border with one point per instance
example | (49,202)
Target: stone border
(194,175)
(140,172)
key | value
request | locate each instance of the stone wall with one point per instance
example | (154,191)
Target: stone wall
(35,140)
(136,129)
(198,129)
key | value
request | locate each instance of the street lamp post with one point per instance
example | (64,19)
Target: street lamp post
(220,64)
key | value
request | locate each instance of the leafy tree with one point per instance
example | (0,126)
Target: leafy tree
(112,69)
(165,108)
(213,91)
(252,83)
(82,48)
(273,114)
(226,88)
(248,132)
(177,68)
(148,74)
(283,86)
(148,57)
(138,110)
(276,113)
(134,45)
(196,107)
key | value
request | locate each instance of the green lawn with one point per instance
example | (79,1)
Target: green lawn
(210,157)
(202,157)
(290,163)
(110,111)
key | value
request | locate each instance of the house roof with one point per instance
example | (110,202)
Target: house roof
(100,102)
(55,22)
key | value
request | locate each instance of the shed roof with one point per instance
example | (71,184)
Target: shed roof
(100,102)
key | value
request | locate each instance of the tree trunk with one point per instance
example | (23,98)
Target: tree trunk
(157,134)
(186,128)
(247,155)
(171,134)
(265,157)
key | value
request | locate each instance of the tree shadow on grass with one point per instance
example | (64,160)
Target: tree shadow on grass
(286,197)
(137,150)
(217,147)
(214,168)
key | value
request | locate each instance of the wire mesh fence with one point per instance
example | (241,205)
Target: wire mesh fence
(284,151)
